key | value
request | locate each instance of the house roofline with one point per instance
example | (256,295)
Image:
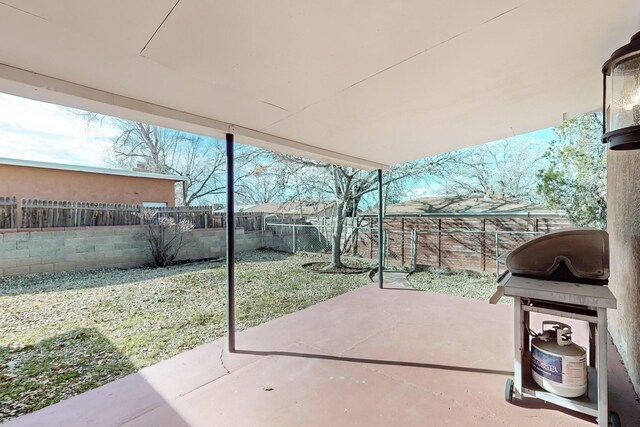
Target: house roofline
(87,169)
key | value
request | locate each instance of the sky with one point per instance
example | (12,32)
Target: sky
(34,130)
(537,141)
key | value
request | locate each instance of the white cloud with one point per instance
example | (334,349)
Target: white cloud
(34,130)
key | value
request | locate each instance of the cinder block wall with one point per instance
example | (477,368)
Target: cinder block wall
(25,252)
(623,225)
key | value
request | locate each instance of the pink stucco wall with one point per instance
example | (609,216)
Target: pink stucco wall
(51,184)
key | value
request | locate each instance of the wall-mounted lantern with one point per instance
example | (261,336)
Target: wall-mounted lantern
(621,97)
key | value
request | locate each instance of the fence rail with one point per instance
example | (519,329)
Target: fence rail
(8,209)
(57,214)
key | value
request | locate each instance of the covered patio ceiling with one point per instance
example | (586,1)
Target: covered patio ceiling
(368,83)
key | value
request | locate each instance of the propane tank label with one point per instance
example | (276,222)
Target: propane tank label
(546,365)
(569,371)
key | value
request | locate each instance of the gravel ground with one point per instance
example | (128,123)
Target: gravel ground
(65,333)
(468,285)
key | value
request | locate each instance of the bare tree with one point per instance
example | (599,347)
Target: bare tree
(263,182)
(307,187)
(199,160)
(349,186)
(505,168)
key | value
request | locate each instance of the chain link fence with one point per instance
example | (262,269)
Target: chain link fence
(356,240)
(455,249)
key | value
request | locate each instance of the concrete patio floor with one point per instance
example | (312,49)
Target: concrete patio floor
(369,357)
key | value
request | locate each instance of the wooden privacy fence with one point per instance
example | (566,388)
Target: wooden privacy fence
(476,250)
(8,209)
(199,216)
(204,217)
(455,243)
(54,214)
(50,214)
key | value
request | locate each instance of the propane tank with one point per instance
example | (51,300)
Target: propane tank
(558,365)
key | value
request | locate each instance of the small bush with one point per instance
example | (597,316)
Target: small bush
(165,236)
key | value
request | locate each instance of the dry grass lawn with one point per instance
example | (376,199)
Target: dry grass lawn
(62,334)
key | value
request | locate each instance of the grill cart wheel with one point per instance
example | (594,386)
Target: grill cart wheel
(614,419)
(508,393)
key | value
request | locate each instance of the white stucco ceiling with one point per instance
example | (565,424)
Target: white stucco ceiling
(369,83)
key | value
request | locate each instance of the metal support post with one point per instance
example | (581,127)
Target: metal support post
(385,258)
(601,362)
(497,254)
(414,249)
(231,311)
(517,341)
(380,233)
(592,345)
(294,239)
(439,242)
(402,241)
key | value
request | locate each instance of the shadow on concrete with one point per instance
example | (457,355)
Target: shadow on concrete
(389,288)
(537,404)
(374,361)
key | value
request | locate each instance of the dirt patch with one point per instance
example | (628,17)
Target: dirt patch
(464,284)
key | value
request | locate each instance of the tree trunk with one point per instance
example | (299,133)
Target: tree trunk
(354,236)
(336,262)
(344,197)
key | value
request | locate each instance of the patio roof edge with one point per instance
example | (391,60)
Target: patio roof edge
(40,87)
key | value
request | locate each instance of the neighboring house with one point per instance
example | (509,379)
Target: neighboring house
(296,210)
(27,179)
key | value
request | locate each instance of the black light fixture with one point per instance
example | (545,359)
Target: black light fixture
(621,97)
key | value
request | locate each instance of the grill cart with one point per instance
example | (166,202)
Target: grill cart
(561,274)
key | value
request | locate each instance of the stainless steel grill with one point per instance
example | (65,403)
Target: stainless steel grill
(562,274)
(576,255)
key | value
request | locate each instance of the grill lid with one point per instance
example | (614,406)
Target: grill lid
(573,255)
